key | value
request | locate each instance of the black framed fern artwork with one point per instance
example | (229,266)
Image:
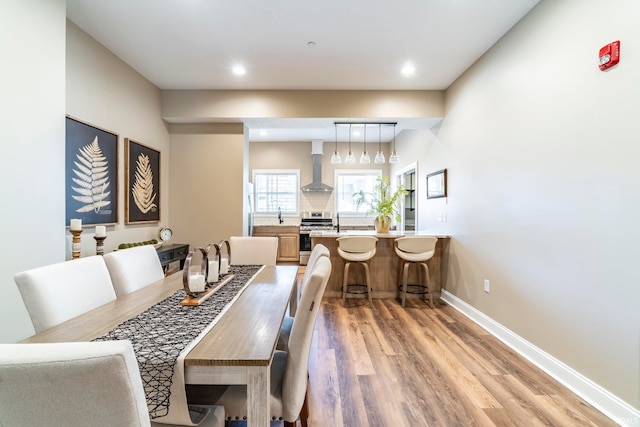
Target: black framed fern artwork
(142,183)
(91,173)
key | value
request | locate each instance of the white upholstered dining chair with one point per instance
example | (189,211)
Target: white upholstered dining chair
(133,268)
(58,292)
(251,250)
(71,384)
(288,369)
(76,384)
(319,250)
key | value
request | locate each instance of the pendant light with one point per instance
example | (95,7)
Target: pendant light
(350,159)
(379,159)
(364,158)
(394,158)
(335,158)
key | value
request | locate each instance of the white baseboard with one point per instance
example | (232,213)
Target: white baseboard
(619,411)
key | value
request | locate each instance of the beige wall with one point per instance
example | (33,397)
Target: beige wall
(207,105)
(542,154)
(32,43)
(99,89)
(207,190)
(106,92)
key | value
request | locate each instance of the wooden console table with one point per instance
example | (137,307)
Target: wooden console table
(171,253)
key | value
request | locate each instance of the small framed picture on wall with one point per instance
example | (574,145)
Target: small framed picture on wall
(91,173)
(437,184)
(142,183)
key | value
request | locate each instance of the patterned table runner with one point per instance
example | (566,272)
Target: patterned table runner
(162,331)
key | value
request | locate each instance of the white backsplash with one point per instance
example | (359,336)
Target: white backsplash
(313,202)
(317,202)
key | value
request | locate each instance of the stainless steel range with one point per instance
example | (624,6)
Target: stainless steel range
(312,221)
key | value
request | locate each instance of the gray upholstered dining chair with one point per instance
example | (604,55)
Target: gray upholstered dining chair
(76,384)
(319,250)
(288,369)
(58,292)
(251,250)
(133,268)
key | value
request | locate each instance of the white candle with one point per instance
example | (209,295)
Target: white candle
(196,283)
(76,224)
(212,277)
(224,266)
(101,231)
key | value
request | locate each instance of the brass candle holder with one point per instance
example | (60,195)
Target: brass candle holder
(76,246)
(99,245)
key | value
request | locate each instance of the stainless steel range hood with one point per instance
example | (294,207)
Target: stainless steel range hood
(316,154)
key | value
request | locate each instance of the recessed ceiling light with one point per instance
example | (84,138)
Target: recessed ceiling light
(263,133)
(239,70)
(311,44)
(408,70)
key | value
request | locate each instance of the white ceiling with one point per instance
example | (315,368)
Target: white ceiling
(359,45)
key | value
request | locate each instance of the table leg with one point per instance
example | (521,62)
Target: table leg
(258,385)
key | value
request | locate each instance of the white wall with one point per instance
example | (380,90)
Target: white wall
(542,154)
(32,44)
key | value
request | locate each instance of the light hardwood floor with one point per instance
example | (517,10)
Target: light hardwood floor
(424,366)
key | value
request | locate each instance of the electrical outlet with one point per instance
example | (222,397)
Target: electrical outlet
(487,286)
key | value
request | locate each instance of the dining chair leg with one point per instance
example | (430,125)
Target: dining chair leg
(405,277)
(304,412)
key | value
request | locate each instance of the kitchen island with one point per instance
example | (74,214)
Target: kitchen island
(385,266)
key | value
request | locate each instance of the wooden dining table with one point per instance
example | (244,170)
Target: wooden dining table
(237,350)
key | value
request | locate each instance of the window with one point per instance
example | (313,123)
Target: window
(348,182)
(276,188)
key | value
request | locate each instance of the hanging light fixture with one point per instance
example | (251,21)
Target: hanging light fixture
(379,159)
(394,158)
(335,158)
(364,158)
(350,159)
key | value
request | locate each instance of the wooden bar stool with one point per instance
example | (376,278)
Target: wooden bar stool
(358,249)
(415,250)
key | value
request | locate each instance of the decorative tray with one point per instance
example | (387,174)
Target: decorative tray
(197,298)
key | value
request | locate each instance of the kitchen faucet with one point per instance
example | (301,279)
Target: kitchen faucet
(280,220)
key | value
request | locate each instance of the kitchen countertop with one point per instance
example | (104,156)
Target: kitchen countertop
(389,235)
(275,225)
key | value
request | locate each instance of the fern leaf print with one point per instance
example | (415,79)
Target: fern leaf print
(142,189)
(91,187)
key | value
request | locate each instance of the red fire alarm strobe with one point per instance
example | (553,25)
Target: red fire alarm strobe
(610,55)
